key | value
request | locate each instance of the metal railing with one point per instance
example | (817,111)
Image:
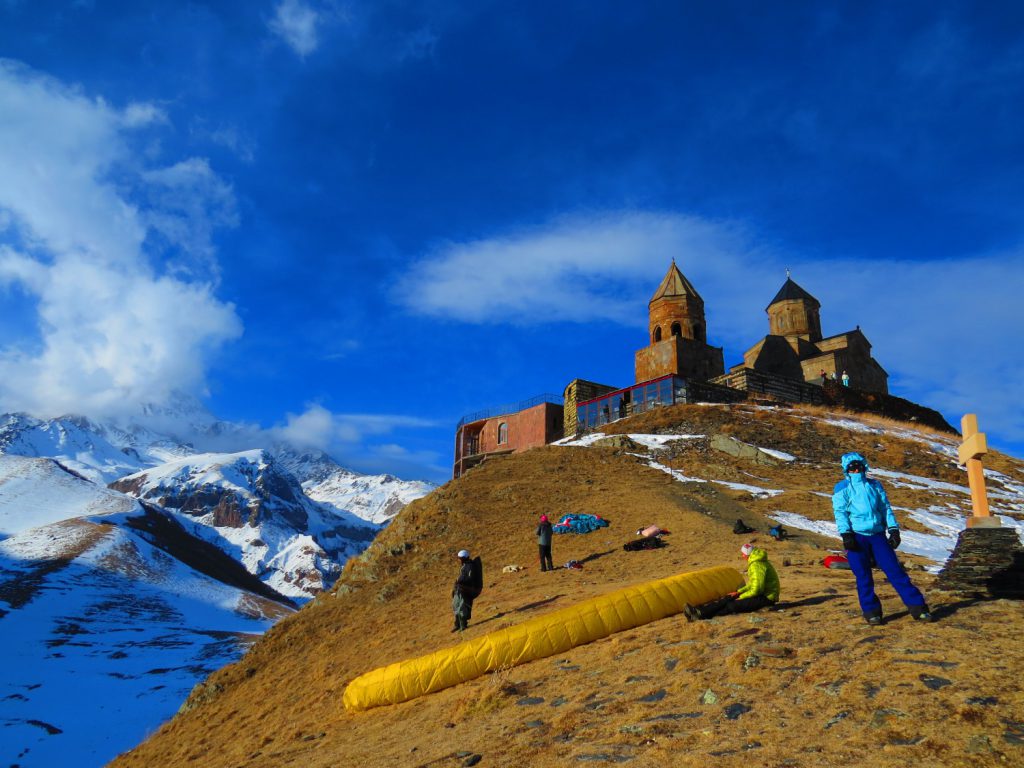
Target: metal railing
(501,410)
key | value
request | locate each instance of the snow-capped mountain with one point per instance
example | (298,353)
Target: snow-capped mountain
(291,517)
(110,612)
(248,505)
(374,498)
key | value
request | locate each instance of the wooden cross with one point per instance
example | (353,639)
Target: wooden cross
(971,450)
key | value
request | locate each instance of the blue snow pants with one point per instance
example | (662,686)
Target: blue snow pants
(877,546)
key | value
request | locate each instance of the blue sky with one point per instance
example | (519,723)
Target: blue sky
(352,223)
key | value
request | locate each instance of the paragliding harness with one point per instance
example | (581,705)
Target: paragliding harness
(651,542)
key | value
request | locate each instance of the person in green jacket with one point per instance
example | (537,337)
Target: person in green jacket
(760,591)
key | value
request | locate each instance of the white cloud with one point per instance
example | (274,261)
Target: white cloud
(139,114)
(579,269)
(353,439)
(297,24)
(227,136)
(189,201)
(120,322)
(317,427)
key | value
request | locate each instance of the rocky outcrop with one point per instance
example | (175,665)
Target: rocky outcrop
(741,450)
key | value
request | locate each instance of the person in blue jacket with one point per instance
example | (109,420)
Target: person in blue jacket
(870,534)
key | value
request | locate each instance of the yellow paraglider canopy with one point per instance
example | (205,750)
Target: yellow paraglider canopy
(539,637)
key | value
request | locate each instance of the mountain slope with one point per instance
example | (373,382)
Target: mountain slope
(291,517)
(806,684)
(108,618)
(250,507)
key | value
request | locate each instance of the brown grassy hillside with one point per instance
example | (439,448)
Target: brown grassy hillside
(808,684)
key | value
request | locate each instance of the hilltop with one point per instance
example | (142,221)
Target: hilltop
(807,684)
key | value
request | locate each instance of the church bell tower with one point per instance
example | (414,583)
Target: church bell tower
(677,340)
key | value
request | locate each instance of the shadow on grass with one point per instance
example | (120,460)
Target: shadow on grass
(520,609)
(816,600)
(595,555)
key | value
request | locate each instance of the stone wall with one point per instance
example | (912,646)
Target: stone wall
(682,357)
(768,385)
(579,391)
(987,562)
(686,310)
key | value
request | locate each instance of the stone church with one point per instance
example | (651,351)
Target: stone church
(793,349)
(794,346)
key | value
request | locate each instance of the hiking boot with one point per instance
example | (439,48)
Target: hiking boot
(921,613)
(875,620)
(691,613)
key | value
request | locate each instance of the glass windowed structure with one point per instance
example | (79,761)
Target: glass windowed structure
(665,390)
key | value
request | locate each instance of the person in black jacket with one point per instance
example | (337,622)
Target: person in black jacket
(465,591)
(544,544)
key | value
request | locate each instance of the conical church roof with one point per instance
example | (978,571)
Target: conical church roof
(675,284)
(791,290)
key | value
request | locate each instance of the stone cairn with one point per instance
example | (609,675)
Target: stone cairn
(988,560)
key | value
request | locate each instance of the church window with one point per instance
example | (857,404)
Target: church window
(502,433)
(676,329)
(657,333)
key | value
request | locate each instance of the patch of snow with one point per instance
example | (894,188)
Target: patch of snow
(853,426)
(916,482)
(35,492)
(762,493)
(646,440)
(799,522)
(777,454)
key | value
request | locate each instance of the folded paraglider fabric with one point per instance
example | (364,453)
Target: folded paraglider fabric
(537,638)
(579,524)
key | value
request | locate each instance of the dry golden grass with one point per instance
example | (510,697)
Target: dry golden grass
(821,686)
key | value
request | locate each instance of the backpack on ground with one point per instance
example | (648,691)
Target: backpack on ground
(741,527)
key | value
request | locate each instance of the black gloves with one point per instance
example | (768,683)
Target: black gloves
(894,537)
(850,542)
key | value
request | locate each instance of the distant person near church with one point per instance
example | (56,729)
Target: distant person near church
(870,533)
(761,590)
(544,543)
(846,379)
(468,586)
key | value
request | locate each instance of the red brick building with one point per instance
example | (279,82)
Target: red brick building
(507,429)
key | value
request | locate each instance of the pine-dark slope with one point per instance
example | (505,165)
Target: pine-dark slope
(806,685)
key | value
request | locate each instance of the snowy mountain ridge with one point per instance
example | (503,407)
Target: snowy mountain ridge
(107,453)
(110,611)
(249,506)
